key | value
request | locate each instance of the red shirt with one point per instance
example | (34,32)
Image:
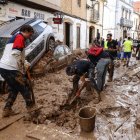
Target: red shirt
(19,42)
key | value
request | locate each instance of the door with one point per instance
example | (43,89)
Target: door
(124,34)
(91,34)
(78,37)
(67,34)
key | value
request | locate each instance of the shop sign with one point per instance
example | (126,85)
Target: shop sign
(57,20)
(13,11)
(25,12)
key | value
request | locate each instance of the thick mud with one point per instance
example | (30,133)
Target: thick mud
(116,118)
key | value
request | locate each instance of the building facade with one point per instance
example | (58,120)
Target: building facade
(82,20)
(118,18)
(137,6)
(136,25)
(94,20)
(74,23)
(41,9)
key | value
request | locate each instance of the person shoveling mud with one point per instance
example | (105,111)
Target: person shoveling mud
(13,67)
(78,69)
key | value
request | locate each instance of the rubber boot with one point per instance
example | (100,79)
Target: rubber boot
(8,112)
(97,97)
(124,62)
(111,72)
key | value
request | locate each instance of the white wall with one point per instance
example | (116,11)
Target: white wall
(112,16)
(136,16)
(109,18)
(83,28)
(54,2)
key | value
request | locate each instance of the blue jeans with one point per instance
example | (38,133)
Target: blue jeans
(17,83)
(102,67)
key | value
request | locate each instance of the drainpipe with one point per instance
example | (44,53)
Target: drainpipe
(116,10)
(103,17)
(87,42)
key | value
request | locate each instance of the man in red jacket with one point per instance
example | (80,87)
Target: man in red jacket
(13,67)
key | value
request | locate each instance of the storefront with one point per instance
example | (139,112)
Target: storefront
(16,11)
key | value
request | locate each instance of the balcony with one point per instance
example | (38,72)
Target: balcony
(126,23)
(95,16)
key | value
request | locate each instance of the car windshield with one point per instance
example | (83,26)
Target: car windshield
(3,41)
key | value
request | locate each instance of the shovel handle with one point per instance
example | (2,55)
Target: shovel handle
(28,75)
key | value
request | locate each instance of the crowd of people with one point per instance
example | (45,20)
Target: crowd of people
(100,58)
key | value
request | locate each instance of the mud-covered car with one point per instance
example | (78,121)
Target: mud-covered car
(61,57)
(41,41)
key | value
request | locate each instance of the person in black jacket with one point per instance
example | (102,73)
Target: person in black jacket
(78,69)
(103,63)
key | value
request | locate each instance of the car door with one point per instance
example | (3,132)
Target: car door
(35,50)
(59,56)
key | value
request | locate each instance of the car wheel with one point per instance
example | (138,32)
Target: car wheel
(51,44)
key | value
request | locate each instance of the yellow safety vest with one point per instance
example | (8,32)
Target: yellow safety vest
(105,45)
(128,46)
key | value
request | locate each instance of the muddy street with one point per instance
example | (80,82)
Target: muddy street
(116,117)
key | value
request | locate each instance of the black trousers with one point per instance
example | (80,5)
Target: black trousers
(16,83)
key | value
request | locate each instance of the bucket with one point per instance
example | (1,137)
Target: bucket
(87,117)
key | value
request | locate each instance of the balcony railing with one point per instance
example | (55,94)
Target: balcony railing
(126,23)
(95,16)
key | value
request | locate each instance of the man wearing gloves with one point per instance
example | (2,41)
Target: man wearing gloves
(13,67)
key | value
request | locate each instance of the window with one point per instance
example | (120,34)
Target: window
(3,42)
(78,36)
(33,37)
(38,28)
(126,12)
(122,12)
(79,3)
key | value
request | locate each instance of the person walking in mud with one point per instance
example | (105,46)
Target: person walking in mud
(78,69)
(112,46)
(128,47)
(13,67)
(101,59)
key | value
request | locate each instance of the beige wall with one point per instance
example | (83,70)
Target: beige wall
(101,5)
(55,4)
(71,7)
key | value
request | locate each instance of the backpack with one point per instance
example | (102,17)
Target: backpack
(95,51)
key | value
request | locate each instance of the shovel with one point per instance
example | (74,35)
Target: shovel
(30,85)
(78,93)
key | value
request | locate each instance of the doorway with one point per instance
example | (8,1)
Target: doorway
(78,36)
(124,34)
(91,34)
(67,34)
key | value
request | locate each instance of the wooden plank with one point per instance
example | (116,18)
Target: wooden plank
(5,122)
